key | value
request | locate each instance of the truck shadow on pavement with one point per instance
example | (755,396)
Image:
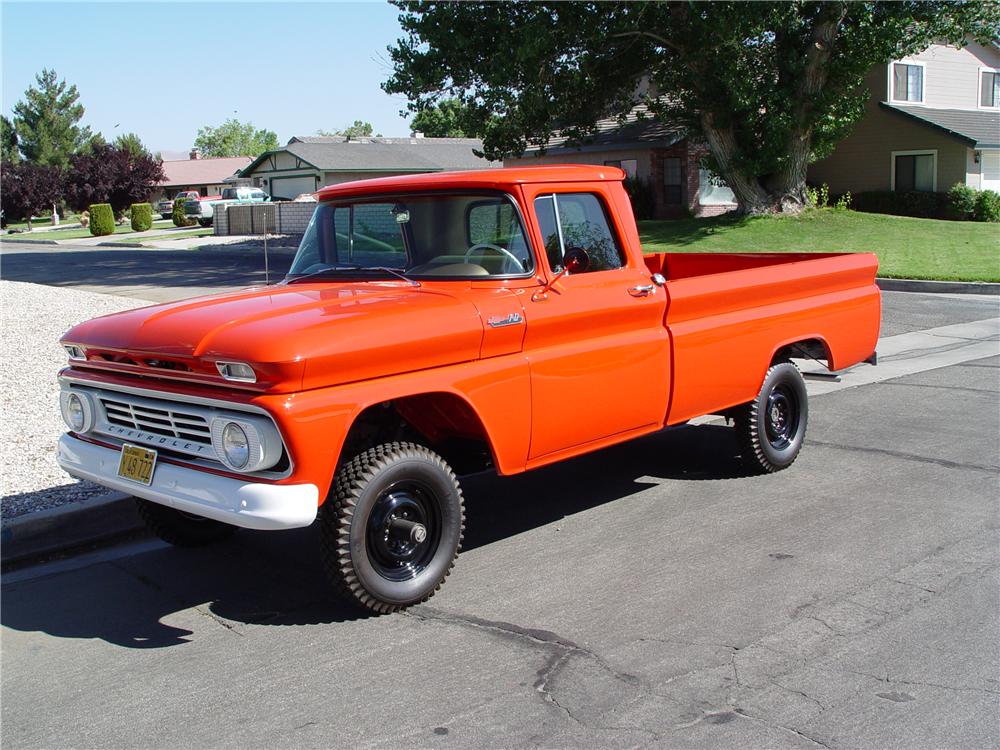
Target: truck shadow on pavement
(164,596)
(146,268)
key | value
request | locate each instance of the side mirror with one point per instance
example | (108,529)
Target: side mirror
(575,260)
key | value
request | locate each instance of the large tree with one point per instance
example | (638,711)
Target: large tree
(47,121)
(446,119)
(235,138)
(8,142)
(359,129)
(111,175)
(768,86)
(28,189)
(132,143)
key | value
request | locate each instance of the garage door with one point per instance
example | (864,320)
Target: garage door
(286,188)
(991,170)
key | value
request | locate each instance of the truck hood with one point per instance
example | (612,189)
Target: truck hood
(298,336)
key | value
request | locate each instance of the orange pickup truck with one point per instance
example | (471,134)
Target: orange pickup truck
(440,324)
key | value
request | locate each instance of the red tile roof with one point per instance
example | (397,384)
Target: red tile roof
(186,172)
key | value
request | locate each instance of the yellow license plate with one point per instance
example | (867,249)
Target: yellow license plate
(137,464)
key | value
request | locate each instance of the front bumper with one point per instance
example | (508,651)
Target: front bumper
(252,505)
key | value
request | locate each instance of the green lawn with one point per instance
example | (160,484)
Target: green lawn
(75,234)
(906,248)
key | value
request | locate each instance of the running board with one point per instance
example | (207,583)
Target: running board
(829,377)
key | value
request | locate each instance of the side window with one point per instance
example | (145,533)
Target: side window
(569,220)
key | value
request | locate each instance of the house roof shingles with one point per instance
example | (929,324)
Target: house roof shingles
(201,171)
(641,128)
(979,128)
(335,154)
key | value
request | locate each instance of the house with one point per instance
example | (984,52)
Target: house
(207,176)
(308,163)
(656,153)
(932,120)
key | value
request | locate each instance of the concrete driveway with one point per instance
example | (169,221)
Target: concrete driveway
(649,595)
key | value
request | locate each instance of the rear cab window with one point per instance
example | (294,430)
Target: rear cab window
(577,220)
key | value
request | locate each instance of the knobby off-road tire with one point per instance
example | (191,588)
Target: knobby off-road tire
(392,526)
(771,428)
(181,529)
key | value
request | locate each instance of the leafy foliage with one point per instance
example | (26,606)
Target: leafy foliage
(180,218)
(142,217)
(235,138)
(446,119)
(962,201)
(132,143)
(28,189)
(8,141)
(767,85)
(360,129)
(642,197)
(46,121)
(988,206)
(914,203)
(102,219)
(111,175)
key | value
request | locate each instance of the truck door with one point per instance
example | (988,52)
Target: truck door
(597,348)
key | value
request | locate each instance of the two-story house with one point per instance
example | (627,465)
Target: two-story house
(932,120)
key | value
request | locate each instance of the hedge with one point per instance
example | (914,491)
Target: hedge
(987,206)
(102,219)
(142,217)
(179,217)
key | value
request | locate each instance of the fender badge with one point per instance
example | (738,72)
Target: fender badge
(511,320)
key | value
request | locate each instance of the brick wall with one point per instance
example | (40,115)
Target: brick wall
(290,218)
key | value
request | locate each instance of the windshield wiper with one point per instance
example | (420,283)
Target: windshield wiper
(355,269)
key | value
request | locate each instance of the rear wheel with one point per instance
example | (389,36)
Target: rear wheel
(181,529)
(392,526)
(204,222)
(772,427)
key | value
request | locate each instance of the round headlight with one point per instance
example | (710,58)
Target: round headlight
(235,445)
(75,415)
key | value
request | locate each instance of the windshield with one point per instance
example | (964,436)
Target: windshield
(443,235)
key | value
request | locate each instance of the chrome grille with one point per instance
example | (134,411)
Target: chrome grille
(169,422)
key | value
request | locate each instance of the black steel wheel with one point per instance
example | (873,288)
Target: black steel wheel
(772,427)
(181,529)
(392,526)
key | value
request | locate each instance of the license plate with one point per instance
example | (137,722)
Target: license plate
(137,464)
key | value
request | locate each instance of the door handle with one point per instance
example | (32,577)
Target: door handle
(643,290)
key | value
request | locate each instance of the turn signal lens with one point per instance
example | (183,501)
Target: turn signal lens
(74,351)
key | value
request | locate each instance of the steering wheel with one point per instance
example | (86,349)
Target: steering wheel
(490,246)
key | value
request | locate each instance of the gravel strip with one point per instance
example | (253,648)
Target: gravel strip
(34,317)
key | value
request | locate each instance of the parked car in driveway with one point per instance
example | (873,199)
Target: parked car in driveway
(442,324)
(203,209)
(165,208)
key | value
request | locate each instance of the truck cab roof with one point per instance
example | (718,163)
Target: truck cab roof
(495,179)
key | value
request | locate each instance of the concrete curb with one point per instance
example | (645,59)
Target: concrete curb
(938,287)
(66,526)
(119,244)
(14,238)
(244,250)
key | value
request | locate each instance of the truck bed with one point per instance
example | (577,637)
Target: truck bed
(728,314)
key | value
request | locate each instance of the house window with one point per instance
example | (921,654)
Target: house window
(631,166)
(712,190)
(989,88)
(672,180)
(907,82)
(914,170)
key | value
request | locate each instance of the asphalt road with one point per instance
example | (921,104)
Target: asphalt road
(646,595)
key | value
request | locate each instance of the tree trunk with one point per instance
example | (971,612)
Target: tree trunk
(751,197)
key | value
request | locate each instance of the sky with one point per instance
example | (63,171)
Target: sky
(163,70)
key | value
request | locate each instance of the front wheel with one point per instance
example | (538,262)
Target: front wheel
(181,529)
(392,526)
(772,427)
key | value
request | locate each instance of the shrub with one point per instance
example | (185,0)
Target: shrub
(179,217)
(987,206)
(818,197)
(85,219)
(641,195)
(961,201)
(142,217)
(102,219)
(843,201)
(915,203)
